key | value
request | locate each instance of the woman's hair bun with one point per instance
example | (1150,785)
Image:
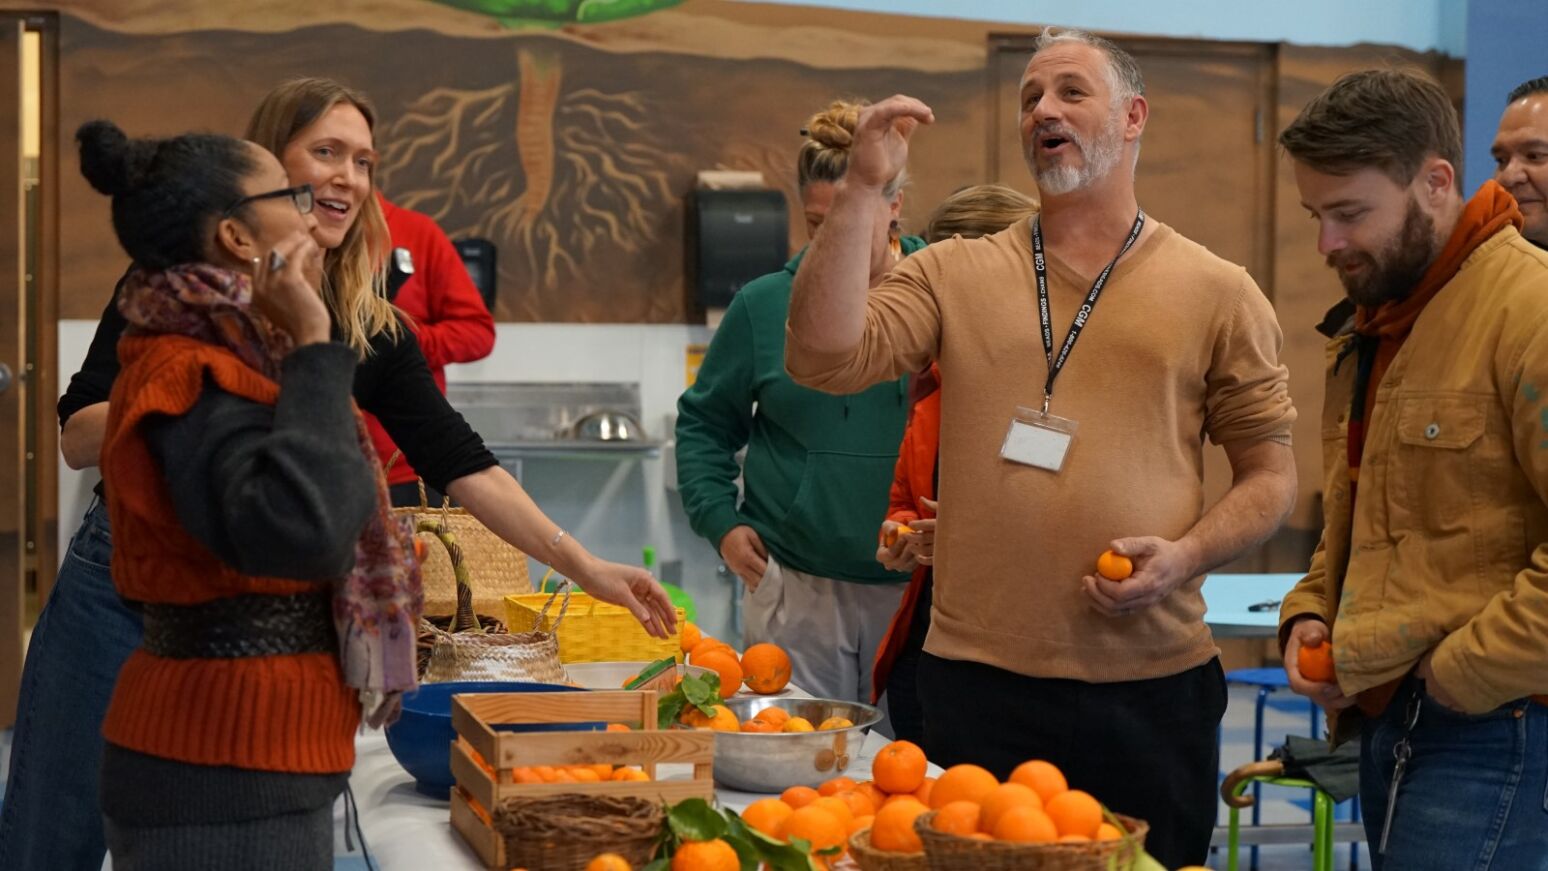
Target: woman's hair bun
(110,161)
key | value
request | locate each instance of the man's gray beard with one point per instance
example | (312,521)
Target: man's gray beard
(1101,159)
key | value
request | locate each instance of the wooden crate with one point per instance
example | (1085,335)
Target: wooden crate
(478,793)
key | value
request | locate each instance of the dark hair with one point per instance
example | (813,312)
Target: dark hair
(1527,88)
(1391,120)
(166,192)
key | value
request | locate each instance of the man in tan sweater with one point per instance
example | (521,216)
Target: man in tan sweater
(1029,655)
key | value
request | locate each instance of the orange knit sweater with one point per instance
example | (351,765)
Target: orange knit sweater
(272,713)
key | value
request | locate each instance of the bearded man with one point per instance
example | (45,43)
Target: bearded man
(1051,453)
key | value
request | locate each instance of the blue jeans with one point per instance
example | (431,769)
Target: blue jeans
(1475,795)
(51,820)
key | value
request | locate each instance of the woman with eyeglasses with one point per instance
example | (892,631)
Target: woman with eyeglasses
(322,133)
(255,530)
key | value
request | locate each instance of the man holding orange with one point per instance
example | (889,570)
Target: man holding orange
(1432,574)
(1052,452)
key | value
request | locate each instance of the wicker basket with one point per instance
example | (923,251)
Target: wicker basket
(468,651)
(947,852)
(594,631)
(501,569)
(871,859)
(566,832)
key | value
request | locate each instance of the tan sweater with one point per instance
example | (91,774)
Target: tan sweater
(1181,345)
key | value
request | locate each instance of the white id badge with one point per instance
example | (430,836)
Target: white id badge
(1037,439)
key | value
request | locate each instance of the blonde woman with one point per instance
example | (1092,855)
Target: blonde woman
(802,538)
(322,133)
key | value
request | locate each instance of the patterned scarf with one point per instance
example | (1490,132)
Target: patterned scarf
(376,607)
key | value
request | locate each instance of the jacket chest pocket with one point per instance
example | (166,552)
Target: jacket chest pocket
(1439,464)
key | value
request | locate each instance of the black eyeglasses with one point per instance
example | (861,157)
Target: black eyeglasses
(301,195)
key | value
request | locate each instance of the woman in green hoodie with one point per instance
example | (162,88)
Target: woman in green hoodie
(818,467)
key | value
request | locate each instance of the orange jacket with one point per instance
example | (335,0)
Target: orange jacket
(913,481)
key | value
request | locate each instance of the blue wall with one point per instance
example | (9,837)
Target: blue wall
(1507,43)
(1418,24)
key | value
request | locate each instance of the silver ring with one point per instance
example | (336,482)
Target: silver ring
(276,261)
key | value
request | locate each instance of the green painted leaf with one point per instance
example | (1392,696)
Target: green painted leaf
(694,820)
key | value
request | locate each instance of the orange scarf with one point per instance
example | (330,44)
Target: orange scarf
(1487,213)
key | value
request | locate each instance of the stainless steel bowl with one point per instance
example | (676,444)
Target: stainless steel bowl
(608,426)
(772,763)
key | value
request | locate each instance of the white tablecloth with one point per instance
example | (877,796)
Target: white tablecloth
(409,831)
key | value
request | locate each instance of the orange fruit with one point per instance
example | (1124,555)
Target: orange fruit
(835,806)
(563,775)
(870,790)
(1003,798)
(584,775)
(1026,825)
(816,826)
(981,836)
(603,770)
(893,828)
(924,790)
(898,532)
(765,668)
(723,663)
(618,727)
(546,773)
(688,636)
(704,646)
(799,796)
(1316,663)
(714,855)
(630,775)
(899,767)
(1114,567)
(861,823)
(894,799)
(833,723)
(722,721)
(756,725)
(962,783)
(836,786)
(777,716)
(1075,813)
(767,815)
(608,862)
(1108,832)
(797,724)
(1044,777)
(957,818)
(527,775)
(859,803)
(1074,839)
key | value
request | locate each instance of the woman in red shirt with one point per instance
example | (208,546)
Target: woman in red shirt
(970,212)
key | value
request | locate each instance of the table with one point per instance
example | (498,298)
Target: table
(410,831)
(1227,597)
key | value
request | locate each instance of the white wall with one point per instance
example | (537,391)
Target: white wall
(1418,24)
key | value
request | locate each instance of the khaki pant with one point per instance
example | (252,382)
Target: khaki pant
(831,629)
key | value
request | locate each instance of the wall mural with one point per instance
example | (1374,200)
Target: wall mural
(571,145)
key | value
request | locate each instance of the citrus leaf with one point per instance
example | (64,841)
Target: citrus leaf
(661,864)
(694,820)
(746,853)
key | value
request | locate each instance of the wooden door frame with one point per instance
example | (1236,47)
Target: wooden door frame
(43,529)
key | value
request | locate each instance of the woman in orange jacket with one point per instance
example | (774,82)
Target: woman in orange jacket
(908,533)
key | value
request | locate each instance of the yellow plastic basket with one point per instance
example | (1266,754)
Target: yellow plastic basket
(592,631)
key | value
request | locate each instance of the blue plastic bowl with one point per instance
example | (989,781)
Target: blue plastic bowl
(421,739)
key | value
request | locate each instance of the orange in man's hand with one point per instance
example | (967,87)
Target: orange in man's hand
(1114,567)
(898,532)
(1316,663)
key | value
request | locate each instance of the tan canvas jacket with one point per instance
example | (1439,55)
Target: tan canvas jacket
(1447,547)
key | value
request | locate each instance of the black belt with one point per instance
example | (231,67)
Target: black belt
(241,626)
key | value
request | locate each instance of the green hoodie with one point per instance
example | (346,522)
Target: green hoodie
(818,468)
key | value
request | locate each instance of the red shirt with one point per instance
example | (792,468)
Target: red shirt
(450,319)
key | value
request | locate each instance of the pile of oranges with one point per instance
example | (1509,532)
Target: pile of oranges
(766,721)
(1034,806)
(763,668)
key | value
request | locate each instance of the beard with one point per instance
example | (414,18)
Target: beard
(1101,157)
(1393,272)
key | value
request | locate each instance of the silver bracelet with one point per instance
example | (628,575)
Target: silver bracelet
(558,537)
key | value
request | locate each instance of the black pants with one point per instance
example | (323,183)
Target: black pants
(903,707)
(1146,748)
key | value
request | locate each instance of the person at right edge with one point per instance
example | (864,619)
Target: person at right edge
(1029,655)
(1432,573)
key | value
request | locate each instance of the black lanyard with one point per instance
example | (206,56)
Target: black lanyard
(1040,267)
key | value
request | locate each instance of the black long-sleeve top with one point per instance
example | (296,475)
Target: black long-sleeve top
(392,382)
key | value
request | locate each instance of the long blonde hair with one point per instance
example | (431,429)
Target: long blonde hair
(978,210)
(354,274)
